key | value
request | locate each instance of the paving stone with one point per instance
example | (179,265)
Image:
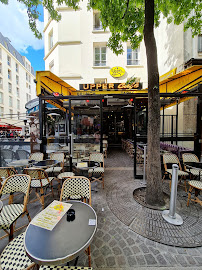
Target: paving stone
(161,260)
(111,261)
(98,243)
(100,261)
(105,250)
(121,261)
(127,251)
(155,251)
(118,237)
(122,243)
(181,259)
(117,250)
(112,243)
(198,259)
(130,241)
(170,258)
(135,249)
(190,260)
(150,259)
(181,251)
(99,234)
(132,261)
(144,248)
(106,238)
(140,260)
(112,232)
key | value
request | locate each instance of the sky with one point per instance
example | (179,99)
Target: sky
(14,25)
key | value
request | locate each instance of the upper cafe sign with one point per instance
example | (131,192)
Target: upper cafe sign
(117,72)
(110,86)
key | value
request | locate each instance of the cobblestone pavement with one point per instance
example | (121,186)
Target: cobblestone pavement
(116,245)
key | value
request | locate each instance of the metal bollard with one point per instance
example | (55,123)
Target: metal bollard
(144,171)
(170,215)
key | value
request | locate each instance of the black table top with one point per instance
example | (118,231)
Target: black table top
(65,241)
(197,165)
(46,163)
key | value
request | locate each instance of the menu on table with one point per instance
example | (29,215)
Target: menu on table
(82,164)
(51,215)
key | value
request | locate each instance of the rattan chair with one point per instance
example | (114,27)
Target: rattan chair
(10,213)
(97,174)
(59,156)
(77,188)
(40,182)
(7,155)
(197,187)
(168,160)
(54,267)
(14,256)
(189,157)
(37,156)
(22,154)
(5,172)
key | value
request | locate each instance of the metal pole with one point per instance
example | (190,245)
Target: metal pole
(101,126)
(177,121)
(170,215)
(144,172)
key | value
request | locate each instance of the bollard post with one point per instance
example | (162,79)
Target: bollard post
(170,215)
(144,171)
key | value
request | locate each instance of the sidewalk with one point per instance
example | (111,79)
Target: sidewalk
(117,245)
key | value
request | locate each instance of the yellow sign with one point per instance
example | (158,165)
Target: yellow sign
(117,72)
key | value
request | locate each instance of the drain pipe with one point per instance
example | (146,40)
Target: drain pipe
(170,215)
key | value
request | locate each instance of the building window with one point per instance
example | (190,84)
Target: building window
(18,104)
(0,68)
(10,101)
(200,43)
(1,83)
(1,111)
(27,85)
(132,56)
(26,76)
(29,78)
(17,92)
(9,87)
(97,24)
(99,80)
(28,97)
(30,88)
(50,38)
(0,53)
(9,74)
(9,60)
(16,67)
(17,79)
(100,56)
(1,98)
(11,113)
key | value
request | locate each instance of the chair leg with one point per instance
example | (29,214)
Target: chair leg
(51,184)
(11,233)
(103,181)
(89,256)
(189,195)
(28,216)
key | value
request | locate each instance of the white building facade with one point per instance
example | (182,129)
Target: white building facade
(17,85)
(76,51)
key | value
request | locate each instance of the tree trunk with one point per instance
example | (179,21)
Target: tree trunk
(154,193)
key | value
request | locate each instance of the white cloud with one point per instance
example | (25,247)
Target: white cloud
(14,25)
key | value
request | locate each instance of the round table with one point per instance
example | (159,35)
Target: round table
(46,163)
(19,163)
(64,175)
(67,239)
(83,170)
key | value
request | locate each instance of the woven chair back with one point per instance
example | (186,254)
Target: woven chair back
(37,156)
(7,171)
(16,183)
(22,154)
(170,158)
(36,173)
(189,157)
(57,156)
(97,157)
(76,186)
(7,154)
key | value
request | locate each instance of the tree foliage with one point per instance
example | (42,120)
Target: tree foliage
(125,18)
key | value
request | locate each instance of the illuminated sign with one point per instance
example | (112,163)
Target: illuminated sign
(117,72)
(110,86)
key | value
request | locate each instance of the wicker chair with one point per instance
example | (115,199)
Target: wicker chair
(14,256)
(168,160)
(59,156)
(40,181)
(53,267)
(5,172)
(77,188)
(189,157)
(37,156)
(10,213)
(196,186)
(97,174)
(22,154)
(7,155)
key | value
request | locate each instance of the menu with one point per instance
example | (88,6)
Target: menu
(82,164)
(51,215)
